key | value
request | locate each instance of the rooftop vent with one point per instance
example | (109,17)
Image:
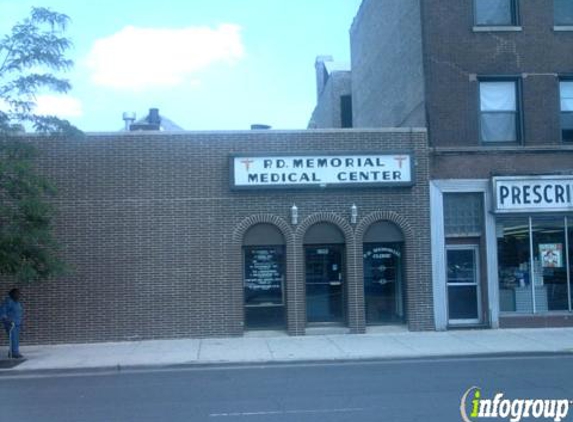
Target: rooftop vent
(151,122)
(153,117)
(128,118)
(260,127)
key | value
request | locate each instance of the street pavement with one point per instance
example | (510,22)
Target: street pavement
(274,347)
(415,390)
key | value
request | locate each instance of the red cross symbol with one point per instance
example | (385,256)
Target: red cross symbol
(400,160)
(247,162)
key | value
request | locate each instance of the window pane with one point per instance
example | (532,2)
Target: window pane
(497,96)
(461,266)
(324,273)
(463,214)
(570,234)
(566,89)
(498,127)
(513,263)
(494,12)
(383,282)
(462,302)
(563,12)
(264,275)
(346,111)
(550,273)
(567,127)
(265,317)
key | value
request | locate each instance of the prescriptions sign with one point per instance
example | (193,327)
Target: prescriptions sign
(533,194)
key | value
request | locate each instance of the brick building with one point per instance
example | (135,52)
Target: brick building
(492,81)
(333,95)
(217,233)
(212,234)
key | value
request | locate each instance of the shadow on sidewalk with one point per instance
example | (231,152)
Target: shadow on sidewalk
(6,363)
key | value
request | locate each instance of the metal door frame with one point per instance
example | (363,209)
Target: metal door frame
(344,283)
(466,321)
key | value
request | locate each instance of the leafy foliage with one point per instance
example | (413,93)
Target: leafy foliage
(28,250)
(30,54)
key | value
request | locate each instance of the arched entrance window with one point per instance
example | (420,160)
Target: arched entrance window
(324,251)
(264,277)
(383,274)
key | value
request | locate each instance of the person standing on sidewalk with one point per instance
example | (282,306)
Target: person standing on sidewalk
(11,313)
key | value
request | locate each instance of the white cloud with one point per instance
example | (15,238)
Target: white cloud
(139,58)
(61,106)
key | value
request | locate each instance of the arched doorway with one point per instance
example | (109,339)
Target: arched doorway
(264,277)
(325,274)
(383,274)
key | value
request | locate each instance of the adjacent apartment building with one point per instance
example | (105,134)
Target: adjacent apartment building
(492,80)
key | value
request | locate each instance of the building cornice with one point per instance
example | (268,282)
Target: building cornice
(488,150)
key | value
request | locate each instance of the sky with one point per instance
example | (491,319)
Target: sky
(205,64)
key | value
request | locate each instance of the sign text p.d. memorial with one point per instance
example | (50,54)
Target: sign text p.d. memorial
(321,170)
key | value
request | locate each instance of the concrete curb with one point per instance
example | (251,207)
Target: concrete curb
(118,369)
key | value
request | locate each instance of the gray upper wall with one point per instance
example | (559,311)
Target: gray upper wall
(328,113)
(387,71)
(333,80)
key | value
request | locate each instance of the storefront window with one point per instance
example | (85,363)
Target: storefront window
(569,221)
(533,270)
(264,285)
(550,271)
(514,265)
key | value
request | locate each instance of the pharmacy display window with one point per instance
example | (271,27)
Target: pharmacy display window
(535,264)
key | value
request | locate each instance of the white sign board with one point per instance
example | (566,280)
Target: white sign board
(533,194)
(321,170)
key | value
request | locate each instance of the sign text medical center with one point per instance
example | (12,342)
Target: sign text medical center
(321,171)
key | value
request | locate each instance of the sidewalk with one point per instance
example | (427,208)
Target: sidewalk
(276,347)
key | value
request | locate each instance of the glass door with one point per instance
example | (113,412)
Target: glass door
(383,298)
(464,296)
(324,283)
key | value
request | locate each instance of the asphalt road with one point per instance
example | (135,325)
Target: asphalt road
(395,391)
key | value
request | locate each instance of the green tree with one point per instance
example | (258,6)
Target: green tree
(28,250)
(31,56)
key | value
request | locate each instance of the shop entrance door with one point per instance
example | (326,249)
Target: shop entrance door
(464,295)
(324,283)
(383,298)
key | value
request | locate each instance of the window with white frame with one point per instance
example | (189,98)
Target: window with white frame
(495,12)
(499,113)
(563,12)
(566,94)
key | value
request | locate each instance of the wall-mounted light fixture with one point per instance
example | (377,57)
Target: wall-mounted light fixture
(294,215)
(353,214)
